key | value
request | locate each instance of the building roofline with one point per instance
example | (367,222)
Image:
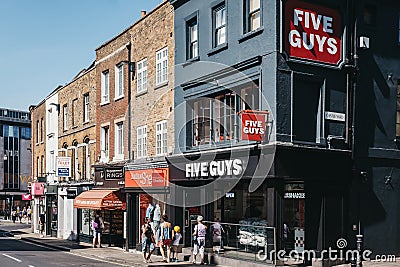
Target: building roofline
(134,24)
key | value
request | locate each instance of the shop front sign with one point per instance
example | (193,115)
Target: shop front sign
(113,174)
(156,177)
(71,193)
(253,126)
(313,32)
(299,195)
(37,189)
(215,168)
(26,197)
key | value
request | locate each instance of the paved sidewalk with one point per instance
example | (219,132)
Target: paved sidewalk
(114,255)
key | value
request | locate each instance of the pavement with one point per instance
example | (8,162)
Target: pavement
(115,255)
(119,256)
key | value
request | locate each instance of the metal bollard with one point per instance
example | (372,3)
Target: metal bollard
(359,250)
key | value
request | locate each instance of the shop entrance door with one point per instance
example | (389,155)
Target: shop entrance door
(293,228)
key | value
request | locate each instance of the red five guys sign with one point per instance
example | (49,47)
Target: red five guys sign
(312,32)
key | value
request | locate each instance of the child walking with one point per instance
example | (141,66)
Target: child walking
(175,243)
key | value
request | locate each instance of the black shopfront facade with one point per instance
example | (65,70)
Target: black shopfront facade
(304,188)
(108,178)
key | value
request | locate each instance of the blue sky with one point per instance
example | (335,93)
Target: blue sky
(45,43)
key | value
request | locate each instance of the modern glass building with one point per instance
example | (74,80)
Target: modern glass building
(15,161)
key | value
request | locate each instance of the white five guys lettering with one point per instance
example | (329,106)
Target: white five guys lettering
(214,168)
(310,40)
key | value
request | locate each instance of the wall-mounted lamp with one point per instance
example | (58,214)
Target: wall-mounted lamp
(390,76)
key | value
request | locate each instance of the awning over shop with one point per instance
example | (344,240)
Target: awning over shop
(99,199)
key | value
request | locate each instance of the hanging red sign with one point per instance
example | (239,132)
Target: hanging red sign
(253,126)
(313,32)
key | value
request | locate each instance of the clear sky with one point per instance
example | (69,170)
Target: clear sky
(45,43)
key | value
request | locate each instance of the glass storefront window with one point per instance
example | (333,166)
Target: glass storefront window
(86,219)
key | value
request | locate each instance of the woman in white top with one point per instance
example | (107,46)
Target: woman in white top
(200,242)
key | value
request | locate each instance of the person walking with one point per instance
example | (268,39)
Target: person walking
(166,238)
(29,211)
(42,223)
(200,240)
(147,240)
(217,230)
(175,243)
(97,226)
(14,215)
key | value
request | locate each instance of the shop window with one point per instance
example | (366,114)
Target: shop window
(307,105)
(215,118)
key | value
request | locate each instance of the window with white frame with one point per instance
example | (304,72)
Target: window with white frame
(105,87)
(86,107)
(65,116)
(162,66)
(215,118)
(192,38)
(141,141)
(252,15)
(142,76)
(104,141)
(37,132)
(161,138)
(74,112)
(119,140)
(41,130)
(119,80)
(219,20)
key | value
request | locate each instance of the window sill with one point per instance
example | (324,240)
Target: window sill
(161,85)
(42,142)
(191,60)
(85,122)
(251,34)
(104,103)
(141,93)
(217,49)
(119,97)
(74,127)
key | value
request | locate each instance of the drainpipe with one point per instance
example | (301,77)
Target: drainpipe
(130,76)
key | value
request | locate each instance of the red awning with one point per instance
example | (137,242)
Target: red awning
(97,199)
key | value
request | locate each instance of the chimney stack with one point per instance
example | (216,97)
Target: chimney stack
(143,13)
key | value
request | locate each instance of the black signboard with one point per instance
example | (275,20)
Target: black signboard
(113,174)
(71,193)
